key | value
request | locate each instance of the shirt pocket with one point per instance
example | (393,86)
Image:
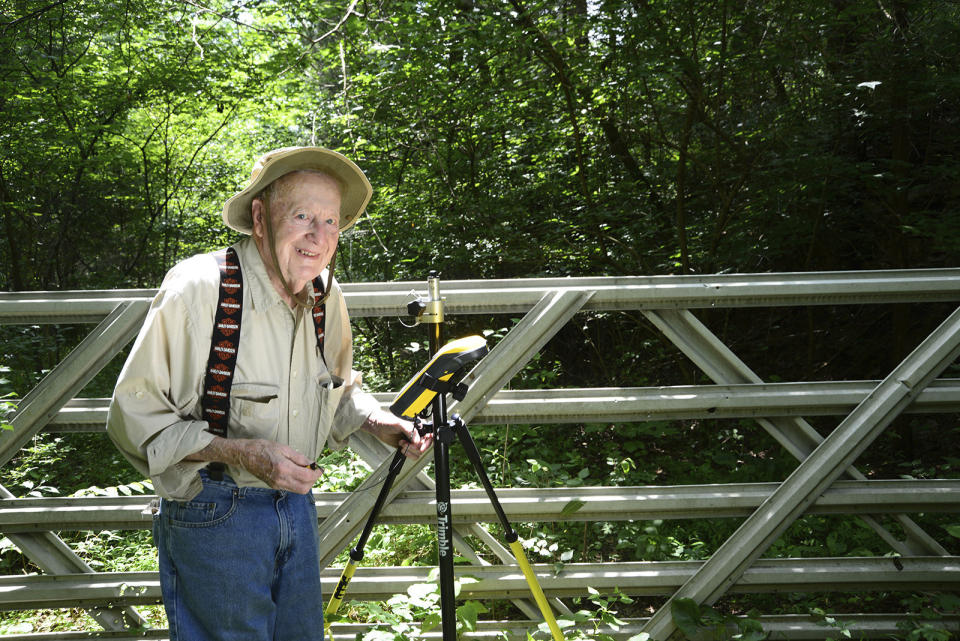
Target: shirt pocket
(255,411)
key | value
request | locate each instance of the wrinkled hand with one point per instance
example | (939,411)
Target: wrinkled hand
(397,432)
(279,466)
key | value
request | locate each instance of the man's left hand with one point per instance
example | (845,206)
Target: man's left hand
(397,432)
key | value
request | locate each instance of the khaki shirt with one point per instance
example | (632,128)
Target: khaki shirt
(282,388)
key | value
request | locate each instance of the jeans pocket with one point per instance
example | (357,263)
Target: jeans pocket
(208,509)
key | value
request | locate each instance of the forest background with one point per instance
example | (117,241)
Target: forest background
(506,139)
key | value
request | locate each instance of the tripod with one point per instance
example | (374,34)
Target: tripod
(442,375)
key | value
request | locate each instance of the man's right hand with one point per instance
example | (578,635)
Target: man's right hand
(279,466)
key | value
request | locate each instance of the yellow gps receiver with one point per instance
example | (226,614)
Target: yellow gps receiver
(441,375)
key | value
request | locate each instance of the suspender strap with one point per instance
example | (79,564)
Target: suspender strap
(224,345)
(319,314)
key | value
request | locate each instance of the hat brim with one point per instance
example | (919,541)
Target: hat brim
(355,188)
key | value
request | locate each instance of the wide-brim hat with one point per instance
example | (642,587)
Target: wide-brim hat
(355,189)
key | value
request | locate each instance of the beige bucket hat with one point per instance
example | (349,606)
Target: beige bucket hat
(356,189)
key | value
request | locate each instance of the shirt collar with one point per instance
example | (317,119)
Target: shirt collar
(255,278)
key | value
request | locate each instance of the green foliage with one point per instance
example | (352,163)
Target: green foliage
(525,139)
(595,623)
(927,612)
(698,622)
(828,621)
(6,409)
(404,616)
(71,464)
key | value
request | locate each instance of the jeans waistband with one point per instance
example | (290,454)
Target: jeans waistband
(243,490)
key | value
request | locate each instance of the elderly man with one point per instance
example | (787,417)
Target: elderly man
(241,374)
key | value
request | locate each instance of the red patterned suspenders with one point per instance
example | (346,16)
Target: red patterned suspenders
(225,345)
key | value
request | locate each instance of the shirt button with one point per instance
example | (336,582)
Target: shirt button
(293,374)
(296,413)
(139,394)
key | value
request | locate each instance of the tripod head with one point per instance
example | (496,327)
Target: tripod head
(441,375)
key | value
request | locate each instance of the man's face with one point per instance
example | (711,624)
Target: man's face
(305,216)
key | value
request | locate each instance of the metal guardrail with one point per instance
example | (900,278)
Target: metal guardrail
(525,505)
(520,295)
(645,578)
(548,304)
(630,404)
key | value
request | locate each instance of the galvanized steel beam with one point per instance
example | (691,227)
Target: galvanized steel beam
(506,358)
(629,404)
(40,405)
(796,435)
(653,578)
(815,473)
(70,376)
(524,505)
(536,505)
(690,292)
(54,557)
(520,295)
(781,627)
(687,402)
(76,306)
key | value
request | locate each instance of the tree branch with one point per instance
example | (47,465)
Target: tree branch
(30,16)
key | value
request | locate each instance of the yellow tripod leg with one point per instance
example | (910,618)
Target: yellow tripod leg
(537,591)
(337,597)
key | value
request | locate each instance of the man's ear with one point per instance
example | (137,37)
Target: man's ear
(256,215)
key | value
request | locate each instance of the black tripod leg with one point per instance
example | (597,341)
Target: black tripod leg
(441,456)
(356,554)
(511,535)
(474,455)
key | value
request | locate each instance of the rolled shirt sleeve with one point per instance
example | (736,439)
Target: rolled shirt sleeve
(152,418)
(355,406)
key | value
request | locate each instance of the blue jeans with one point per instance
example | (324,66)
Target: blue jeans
(240,564)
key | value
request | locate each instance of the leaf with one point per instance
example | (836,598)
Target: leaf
(954,530)
(571,507)
(568,623)
(431,621)
(751,630)
(422,594)
(686,614)
(468,613)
